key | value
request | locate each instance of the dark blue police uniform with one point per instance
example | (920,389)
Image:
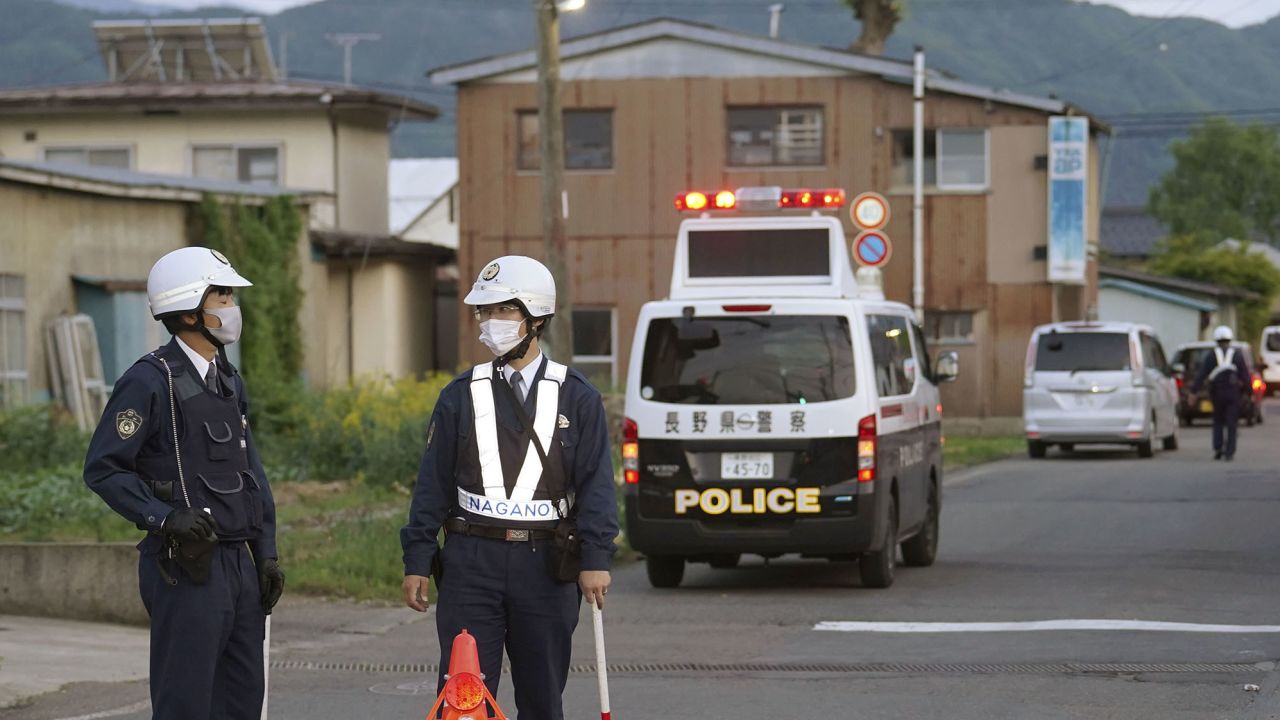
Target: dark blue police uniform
(502,590)
(1226,391)
(206,639)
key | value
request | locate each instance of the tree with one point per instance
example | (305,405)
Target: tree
(1225,184)
(1187,257)
(878,18)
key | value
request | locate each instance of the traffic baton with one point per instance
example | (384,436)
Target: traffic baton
(266,668)
(602,671)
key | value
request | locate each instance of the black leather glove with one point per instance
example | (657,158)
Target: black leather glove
(270,583)
(189,525)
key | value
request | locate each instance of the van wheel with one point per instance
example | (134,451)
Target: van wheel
(665,571)
(1249,422)
(922,549)
(1171,442)
(728,561)
(876,568)
(1036,449)
(1145,450)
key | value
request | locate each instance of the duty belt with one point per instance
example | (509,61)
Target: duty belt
(463,527)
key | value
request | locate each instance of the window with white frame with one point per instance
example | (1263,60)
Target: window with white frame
(954,159)
(256,165)
(13,341)
(104,156)
(785,136)
(594,350)
(945,327)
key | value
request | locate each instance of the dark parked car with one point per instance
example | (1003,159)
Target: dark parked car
(1194,406)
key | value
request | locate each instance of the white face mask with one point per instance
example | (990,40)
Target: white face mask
(500,336)
(232,323)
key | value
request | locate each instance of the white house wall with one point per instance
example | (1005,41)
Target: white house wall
(1173,324)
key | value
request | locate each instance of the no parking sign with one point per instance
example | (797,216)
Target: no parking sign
(872,248)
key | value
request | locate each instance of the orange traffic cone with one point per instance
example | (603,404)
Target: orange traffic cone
(464,692)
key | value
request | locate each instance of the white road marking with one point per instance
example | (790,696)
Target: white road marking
(1039,626)
(126,710)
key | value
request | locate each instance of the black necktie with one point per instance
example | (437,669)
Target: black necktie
(211,378)
(515,387)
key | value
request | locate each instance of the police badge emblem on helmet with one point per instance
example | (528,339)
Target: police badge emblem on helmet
(490,272)
(127,423)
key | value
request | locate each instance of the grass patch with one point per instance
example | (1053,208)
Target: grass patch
(962,452)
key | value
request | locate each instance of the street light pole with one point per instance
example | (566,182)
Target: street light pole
(559,336)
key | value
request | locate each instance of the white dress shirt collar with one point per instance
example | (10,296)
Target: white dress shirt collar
(197,360)
(527,374)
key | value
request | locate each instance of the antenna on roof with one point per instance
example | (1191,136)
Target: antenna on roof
(348,41)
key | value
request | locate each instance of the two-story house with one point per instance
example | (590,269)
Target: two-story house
(654,109)
(203,99)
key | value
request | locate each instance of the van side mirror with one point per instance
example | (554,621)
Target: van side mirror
(947,369)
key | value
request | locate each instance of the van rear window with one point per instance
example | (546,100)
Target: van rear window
(749,360)
(1066,352)
(1273,342)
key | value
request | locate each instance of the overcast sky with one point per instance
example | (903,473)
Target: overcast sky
(1236,13)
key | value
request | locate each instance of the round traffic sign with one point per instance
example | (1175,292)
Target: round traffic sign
(869,211)
(872,248)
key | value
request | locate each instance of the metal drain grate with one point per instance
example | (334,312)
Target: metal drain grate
(810,668)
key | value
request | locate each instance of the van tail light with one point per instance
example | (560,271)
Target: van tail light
(867,449)
(1258,385)
(1180,381)
(630,451)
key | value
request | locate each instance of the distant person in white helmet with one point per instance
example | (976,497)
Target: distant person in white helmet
(519,473)
(1227,376)
(173,454)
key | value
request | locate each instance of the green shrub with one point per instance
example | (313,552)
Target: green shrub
(374,431)
(39,436)
(53,504)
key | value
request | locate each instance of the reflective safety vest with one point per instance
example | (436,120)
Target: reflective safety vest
(1226,362)
(500,477)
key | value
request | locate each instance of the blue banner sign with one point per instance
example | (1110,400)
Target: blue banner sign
(1068,198)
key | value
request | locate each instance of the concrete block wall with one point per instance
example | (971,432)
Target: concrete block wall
(76,581)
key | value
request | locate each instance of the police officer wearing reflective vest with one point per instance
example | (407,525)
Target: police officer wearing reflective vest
(518,472)
(173,454)
(1228,378)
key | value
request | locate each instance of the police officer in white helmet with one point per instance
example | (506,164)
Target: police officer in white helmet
(519,473)
(1227,375)
(174,455)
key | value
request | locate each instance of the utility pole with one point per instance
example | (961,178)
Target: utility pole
(348,41)
(917,195)
(559,336)
(775,18)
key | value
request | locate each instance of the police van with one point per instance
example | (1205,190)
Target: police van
(777,405)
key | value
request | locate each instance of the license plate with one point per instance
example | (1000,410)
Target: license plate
(1206,406)
(746,466)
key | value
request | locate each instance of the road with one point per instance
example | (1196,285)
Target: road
(1097,535)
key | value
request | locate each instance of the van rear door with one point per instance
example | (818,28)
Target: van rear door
(748,399)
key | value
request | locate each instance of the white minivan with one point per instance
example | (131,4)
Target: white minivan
(1269,353)
(1098,382)
(774,406)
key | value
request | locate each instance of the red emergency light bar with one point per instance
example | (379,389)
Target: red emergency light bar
(797,199)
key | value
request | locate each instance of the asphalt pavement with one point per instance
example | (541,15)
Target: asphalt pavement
(1158,580)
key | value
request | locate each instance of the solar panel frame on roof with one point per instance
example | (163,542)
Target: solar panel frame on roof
(185,50)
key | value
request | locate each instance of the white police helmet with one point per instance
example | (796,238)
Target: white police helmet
(179,281)
(516,277)
(1222,332)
